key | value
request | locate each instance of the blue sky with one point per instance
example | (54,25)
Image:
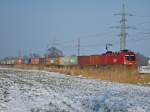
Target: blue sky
(29,26)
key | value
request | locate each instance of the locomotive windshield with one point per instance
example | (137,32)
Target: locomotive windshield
(130,57)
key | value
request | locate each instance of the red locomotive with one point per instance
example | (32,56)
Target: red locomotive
(124,57)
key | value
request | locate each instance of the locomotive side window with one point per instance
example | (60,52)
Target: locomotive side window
(130,58)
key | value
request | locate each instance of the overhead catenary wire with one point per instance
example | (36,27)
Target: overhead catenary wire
(142,16)
(88,46)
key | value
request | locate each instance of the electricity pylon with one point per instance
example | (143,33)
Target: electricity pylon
(123,27)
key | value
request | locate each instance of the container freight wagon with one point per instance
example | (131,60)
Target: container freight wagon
(94,60)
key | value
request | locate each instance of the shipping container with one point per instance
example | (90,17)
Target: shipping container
(8,62)
(40,60)
(43,61)
(83,60)
(4,62)
(58,61)
(29,61)
(73,60)
(52,61)
(47,61)
(19,61)
(36,61)
(12,61)
(26,61)
(68,60)
(64,61)
(32,60)
(95,59)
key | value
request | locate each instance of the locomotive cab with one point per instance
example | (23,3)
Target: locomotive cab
(129,58)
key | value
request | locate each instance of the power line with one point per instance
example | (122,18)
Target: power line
(141,16)
(87,47)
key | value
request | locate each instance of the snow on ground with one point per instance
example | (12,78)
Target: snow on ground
(39,91)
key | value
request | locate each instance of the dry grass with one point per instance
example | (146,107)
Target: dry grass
(117,73)
(113,73)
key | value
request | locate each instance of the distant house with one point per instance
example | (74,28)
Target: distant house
(53,52)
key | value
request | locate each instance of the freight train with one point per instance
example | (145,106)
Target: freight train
(125,57)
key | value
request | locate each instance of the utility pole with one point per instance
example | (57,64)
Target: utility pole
(19,53)
(123,34)
(78,46)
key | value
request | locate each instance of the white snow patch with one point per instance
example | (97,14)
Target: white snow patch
(40,91)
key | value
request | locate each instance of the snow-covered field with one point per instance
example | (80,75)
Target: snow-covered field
(39,91)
